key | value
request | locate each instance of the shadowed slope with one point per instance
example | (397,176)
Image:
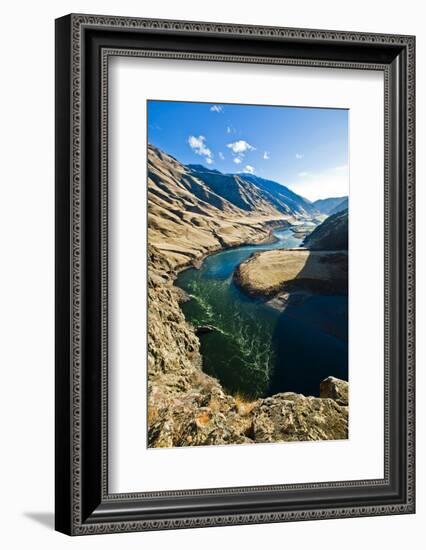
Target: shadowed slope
(332,234)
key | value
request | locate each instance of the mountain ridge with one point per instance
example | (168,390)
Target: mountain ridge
(331,205)
(341,206)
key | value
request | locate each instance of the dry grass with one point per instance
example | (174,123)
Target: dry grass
(245,405)
(152,415)
(268,272)
(215,406)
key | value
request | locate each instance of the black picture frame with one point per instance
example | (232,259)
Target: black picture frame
(83,45)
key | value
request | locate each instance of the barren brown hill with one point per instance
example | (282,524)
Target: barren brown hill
(268,273)
(188,219)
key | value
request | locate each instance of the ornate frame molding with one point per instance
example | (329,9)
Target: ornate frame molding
(72,47)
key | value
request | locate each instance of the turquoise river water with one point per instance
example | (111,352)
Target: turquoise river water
(257,350)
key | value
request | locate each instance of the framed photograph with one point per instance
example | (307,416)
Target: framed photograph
(234,274)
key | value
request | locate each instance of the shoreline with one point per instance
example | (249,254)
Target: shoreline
(292,270)
(197,263)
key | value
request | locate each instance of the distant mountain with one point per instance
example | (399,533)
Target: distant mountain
(331,205)
(332,234)
(237,190)
(281,195)
(341,206)
(251,193)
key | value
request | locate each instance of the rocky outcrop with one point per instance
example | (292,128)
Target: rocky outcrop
(204,415)
(336,389)
(294,417)
(173,348)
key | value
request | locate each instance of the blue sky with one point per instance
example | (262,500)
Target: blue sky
(303,148)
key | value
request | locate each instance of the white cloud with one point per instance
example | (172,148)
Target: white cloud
(228,130)
(221,155)
(266,155)
(198,145)
(216,108)
(299,156)
(303,174)
(237,160)
(249,169)
(240,146)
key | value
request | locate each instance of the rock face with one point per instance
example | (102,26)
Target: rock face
(294,417)
(335,389)
(332,234)
(271,272)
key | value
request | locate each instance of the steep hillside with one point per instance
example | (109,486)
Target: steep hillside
(331,205)
(250,192)
(242,193)
(332,234)
(283,197)
(193,211)
(187,219)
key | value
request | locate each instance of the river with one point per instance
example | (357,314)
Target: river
(257,350)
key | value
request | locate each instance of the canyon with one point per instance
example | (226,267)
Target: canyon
(194,212)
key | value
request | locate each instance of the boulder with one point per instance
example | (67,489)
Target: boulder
(336,389)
